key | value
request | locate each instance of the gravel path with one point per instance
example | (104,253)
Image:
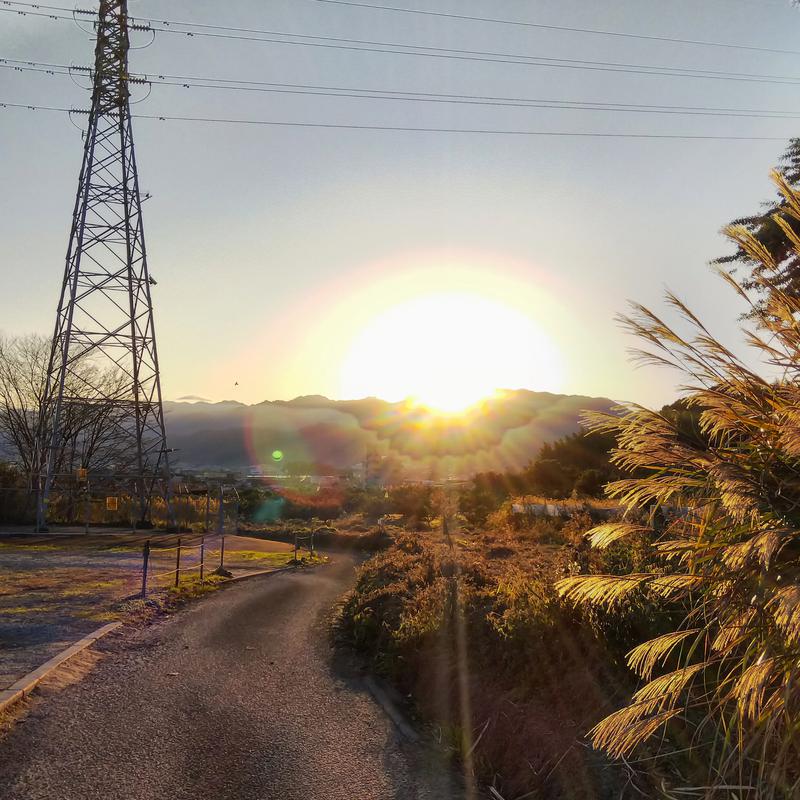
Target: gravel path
(257,709)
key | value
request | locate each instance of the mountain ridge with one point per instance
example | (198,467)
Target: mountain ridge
(500,433)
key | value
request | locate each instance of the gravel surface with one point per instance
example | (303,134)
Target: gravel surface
(238,696)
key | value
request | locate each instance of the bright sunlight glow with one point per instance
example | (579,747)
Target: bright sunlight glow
(448,351)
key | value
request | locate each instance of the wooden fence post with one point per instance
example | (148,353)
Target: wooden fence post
(178,563)
(87,509)
(145,562)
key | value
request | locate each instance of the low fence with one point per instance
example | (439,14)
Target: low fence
(181,549)
(168,565)
(308,537)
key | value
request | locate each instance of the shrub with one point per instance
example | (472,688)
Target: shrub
(478,636)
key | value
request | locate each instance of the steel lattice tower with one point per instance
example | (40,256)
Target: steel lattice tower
(105,312)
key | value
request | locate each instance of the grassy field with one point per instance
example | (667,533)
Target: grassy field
(55,589)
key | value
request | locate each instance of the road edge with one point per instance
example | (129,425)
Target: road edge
(390,709)
(27,683)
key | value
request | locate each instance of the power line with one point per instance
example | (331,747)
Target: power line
(33,68)
(566,28)
(205,82)
(369,46)
(22,63)
(416,129)
(43,13)
(32,13)
(445,15)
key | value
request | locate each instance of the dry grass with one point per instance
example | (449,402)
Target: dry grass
(69,673)
(732,557)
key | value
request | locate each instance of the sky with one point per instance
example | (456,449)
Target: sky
(296,261)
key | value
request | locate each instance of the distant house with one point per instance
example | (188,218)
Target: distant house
(564,508)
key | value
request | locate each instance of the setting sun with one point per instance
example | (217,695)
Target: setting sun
(449,350)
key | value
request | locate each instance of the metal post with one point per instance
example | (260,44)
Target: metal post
(312,544)
(295,548)
(202,559)
(222,553)
(221,512)
(208,509)
(178,564)
(145,562)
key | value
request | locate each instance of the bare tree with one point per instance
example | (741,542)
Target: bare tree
(93,431)
(22,366)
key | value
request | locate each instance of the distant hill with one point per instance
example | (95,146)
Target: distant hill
(502,433)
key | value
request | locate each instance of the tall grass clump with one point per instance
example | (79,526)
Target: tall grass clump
(723,509)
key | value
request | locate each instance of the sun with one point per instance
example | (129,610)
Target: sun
(448,351)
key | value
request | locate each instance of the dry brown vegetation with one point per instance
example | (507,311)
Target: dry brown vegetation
(538,673)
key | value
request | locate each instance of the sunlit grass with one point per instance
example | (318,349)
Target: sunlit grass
(193,587)
(280,558)
(92,587)
(98,616)
(16,610)
(31,548)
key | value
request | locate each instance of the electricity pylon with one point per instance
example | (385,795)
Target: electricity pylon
(103,354)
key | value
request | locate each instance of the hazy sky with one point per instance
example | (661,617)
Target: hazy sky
(278,251)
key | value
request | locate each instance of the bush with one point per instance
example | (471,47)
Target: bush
(17,504)
(529,663)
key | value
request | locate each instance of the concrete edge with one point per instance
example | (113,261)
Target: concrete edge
(257,574)
(289,568)
(384,701)
(25,685)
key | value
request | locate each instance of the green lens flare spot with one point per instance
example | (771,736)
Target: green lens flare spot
(277,455)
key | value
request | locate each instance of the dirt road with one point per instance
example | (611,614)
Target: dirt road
(236,697)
